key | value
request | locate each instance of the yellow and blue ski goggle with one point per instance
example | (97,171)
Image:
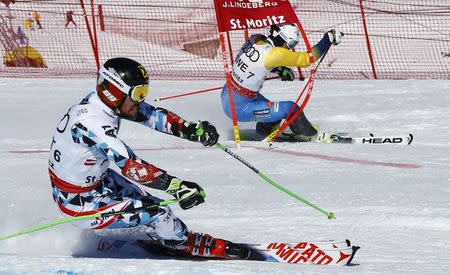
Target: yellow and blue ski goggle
(136,93)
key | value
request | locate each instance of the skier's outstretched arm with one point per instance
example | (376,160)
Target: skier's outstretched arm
(104,139)
(167,122)
(279,56)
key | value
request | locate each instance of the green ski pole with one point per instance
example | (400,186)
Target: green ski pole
(330,215)
(84,217)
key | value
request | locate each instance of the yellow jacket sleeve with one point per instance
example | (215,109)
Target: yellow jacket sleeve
(279,56)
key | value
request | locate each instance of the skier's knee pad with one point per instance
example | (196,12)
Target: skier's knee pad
(167,226)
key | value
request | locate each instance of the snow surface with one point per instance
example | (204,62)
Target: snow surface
(400,216)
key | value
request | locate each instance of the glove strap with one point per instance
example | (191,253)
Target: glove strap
(285,72)
(173,187)
(192,131)
(199,132)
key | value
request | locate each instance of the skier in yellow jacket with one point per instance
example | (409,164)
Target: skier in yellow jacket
(258,57)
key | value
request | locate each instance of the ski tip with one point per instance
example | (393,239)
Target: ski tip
(354,249)
(331,216)
(347,241)
(411,137)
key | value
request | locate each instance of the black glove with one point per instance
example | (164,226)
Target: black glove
(285,73)
(203,132)
(189,194)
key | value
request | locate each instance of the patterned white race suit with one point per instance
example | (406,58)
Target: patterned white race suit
(84,144)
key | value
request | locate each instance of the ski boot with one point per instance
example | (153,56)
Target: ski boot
(204,245)
(264,129)
(196,245)
(323,137)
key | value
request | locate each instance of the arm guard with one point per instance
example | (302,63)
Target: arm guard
(161,119)
(279,56)
(146,174)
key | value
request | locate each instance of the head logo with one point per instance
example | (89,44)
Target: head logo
(143,71)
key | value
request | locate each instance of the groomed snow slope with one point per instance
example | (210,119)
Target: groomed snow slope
(392,200)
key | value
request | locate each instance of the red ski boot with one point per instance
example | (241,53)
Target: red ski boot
(198,245)
(204,245)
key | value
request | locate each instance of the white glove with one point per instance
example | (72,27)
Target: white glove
(335,36)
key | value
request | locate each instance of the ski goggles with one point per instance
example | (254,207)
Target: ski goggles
(291,44)
(290,41)
(136,93)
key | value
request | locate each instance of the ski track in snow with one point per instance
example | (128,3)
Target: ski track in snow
(391,200)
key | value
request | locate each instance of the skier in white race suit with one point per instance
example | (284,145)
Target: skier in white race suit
(86,142)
